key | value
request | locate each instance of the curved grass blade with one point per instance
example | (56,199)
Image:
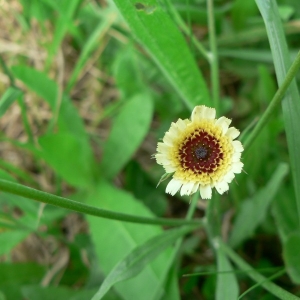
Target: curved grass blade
(139,258)
(291,103)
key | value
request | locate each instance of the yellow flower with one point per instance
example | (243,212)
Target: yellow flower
(201,153)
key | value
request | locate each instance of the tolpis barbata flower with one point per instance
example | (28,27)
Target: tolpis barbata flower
(201,153)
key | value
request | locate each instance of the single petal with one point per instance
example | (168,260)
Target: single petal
(238,147)
(169,168)
(181,124)
(236,156)
(187,188)
(224,123)
(168,139)
(210,113)
(195,188)
(202,112)
(173,186)
(198,113)
(232,133)
(162,148)
(222,187)
(174,130)
(162,159)
(205,191)
(237,167)
(229,177)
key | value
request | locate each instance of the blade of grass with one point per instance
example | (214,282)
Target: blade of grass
(265,283)
(90,46)
(214,60)
(139,258)
(9,96)
(291,103)
(27,192)
(167,47)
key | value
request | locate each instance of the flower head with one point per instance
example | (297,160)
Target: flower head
(201,153)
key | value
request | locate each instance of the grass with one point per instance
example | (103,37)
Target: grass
(87,90)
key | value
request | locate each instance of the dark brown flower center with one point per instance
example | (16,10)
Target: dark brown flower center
(200,152)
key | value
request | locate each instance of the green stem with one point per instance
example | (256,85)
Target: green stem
(24,191)
(273,104)
(214,61)
(264,282)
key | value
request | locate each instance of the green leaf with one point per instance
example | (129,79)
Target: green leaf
(155,30)
(291,250)
(291,103)
(114,240)
(139,258)
(10,239)
(254,210)
(12,276)
(69,157)
(38,82)
(128,131)
(10,95)
(227,285)
(36,292)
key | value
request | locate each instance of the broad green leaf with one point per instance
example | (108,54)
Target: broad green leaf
(38,82)
(254,209)
(139,258)
(291,250)
(114,240)
(126,68)
(10,95)
(155,30)
(2,296)
(11,238)
(69,157)
(128,131)
(291,103)
(227,285)
(37,292)
(12,276)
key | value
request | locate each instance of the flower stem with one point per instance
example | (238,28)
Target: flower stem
(214,62)
(263,281)
(273,104)
(24,191)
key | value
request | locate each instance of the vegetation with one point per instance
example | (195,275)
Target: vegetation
(87,90)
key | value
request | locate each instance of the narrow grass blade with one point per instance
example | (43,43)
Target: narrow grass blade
(154,28)
(139,258)
(291,103)
(227,285)
(10,95)
(253,211)
(291,256)
(90,46)
(253,274)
